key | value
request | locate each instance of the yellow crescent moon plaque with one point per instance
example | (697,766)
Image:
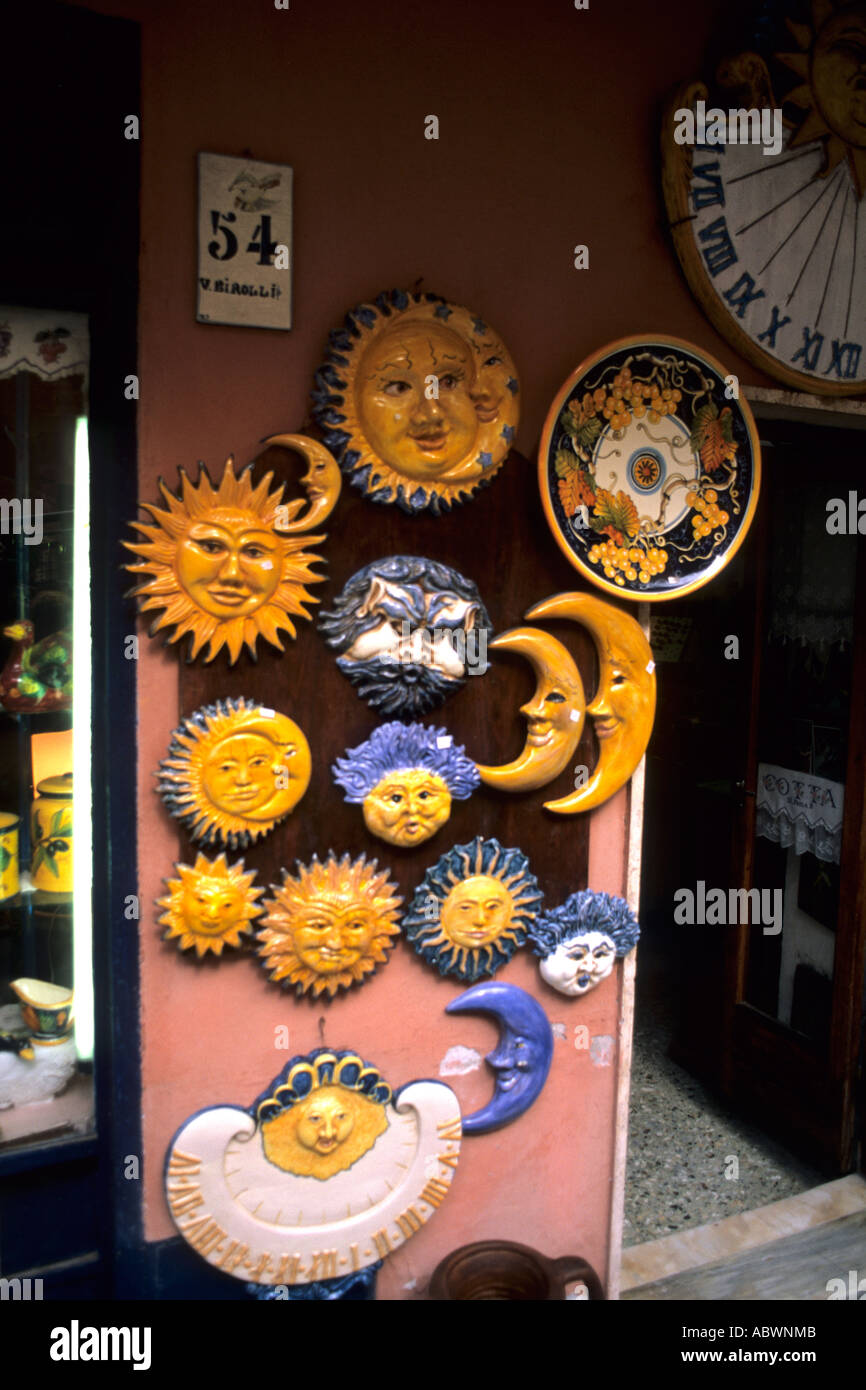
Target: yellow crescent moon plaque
(624,705)
(554,716)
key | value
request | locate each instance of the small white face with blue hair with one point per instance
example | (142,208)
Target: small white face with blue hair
(580,963)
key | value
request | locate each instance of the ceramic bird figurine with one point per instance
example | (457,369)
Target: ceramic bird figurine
(37,676)
(37,1051)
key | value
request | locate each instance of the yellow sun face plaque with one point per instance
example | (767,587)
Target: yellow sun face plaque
(234,769)
(329,926)
(324,1134)
(226,564)
(210,905)
(418,400)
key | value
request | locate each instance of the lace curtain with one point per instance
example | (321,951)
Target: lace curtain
(811,573)
(47,342)
(796,809)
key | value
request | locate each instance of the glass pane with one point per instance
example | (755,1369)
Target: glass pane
(802,751)
(46,983)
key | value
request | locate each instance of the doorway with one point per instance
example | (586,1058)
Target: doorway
(749,1009)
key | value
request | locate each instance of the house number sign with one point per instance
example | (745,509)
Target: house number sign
(244,242)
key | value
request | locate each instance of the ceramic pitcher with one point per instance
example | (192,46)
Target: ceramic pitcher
(495,1270)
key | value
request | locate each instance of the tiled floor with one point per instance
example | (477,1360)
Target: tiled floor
(690,1160)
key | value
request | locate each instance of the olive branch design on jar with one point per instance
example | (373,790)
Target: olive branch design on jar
(55,841)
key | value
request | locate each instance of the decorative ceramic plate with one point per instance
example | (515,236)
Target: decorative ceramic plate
(649,468)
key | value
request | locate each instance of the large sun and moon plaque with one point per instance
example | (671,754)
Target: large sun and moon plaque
(228,564)
(327,1173)
(772,243)
(649,468)
(418,399)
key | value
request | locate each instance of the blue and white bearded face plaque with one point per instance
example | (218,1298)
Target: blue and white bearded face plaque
(405,777)
(579,942)
(325,1174)
(408,631)
(473,909)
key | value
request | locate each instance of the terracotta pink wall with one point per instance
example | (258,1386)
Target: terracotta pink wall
(548,138)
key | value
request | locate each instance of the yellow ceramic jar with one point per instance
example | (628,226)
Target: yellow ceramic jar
(8,855)
(51,835)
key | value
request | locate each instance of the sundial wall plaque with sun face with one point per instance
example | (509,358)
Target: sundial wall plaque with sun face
(326,1174)
(228,564)
(418,399)
(774,244)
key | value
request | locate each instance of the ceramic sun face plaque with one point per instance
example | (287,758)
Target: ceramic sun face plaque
(233,771)
(408,631)
(473,909)
(227,564)
(404,777)
(211,905)
(623,707)
(328,926)
(418,399)
(325,1174)
(579,943)
(649,468)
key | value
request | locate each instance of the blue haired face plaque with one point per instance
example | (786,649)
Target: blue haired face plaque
(579,942)
(405,777)
(407,632)
(324,1175)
